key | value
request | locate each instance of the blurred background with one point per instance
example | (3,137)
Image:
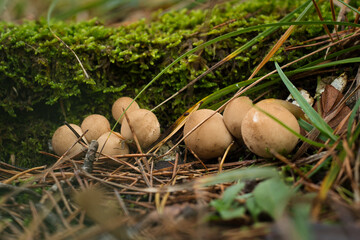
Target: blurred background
(108,11)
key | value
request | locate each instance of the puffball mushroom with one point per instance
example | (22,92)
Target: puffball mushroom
(63,138)
(145,125)
(120,105)
(294,109)
(234,113)
(96,124)
(211,139)
(113,146)
(261,133)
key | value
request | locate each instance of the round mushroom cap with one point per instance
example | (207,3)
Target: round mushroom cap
(120,105)
(211,139)
(145,125)
(63,138)
(96,124)
(234,113)
(295,110)
(261,133)
(113,146)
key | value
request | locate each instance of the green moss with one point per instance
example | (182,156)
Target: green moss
(42,83)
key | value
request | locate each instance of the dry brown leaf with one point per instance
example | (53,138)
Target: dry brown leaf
(329,101)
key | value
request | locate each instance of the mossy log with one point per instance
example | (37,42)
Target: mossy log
(42,83)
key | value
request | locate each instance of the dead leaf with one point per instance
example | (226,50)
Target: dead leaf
(330,110)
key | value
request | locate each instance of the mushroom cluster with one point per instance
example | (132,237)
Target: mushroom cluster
(134,121)
(252,125)
(208,134)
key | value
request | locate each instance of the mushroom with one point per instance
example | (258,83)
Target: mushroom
(234,113)
(63,138)
(114,145)
(145,126)
(261,133)
(96,124)
(211,139)
(120,105)
(294,109)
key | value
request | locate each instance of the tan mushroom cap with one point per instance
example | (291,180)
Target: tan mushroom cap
(114,145)
(234,113)
(96,124)
(120,105)
(211,139)
(261,133)
(295,110)
(63,138)
(145,125)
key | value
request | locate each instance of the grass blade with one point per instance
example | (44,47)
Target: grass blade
(281,41)
(352,8)
(238,174)
(290,129)
(314,117)
(352,118)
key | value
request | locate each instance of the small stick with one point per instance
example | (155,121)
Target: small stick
(225,154)
(121,203)
(290,164)
(75,132)
(87,166)
(90,156)
(13,178)
(175,165)
(196,156)
(66,203)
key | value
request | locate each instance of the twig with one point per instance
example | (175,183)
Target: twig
(121,203)
(90,156)
(87,166)
(196,156)
(74,131)
(13,178)
(290,164)
(224,156)
(175,165)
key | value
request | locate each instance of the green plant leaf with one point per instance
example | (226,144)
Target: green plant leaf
(232,213)
(301,216)
(272,196)
(231,192)
(253,208)
(226,206)
(314,117)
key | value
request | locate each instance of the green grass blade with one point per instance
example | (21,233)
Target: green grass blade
(236,86)
(238,174)
(352,8)
(308,127)
(331,56)
(352,118)
(330,64)
(355,135)
(314,117)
